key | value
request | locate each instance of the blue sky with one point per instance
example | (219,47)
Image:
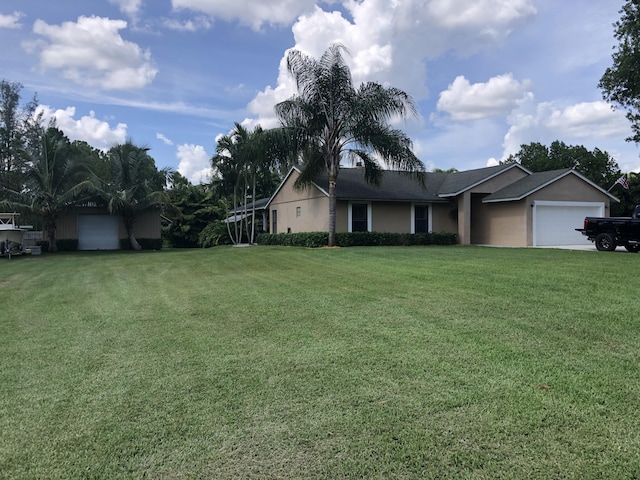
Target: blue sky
(487,75)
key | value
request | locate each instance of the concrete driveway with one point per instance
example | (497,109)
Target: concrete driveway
(590,247)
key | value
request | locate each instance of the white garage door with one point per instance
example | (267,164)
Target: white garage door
(554,223)
(98,232)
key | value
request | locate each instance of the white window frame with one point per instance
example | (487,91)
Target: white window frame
(368,204)
(429,219)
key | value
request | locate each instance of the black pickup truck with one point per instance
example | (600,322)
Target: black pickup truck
(610,232)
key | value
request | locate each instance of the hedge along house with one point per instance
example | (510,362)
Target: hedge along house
(503,205)
(96,229)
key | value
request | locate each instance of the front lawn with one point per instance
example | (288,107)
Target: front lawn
(275,362)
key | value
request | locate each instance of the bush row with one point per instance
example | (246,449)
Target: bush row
(63,244)
(145,243)
(71,244)
(352,239)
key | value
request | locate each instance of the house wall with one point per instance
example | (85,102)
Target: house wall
(571,189)
(313,204)
(442,220)
(392,217)
(506,224)
(468,227)
(148,225)
(342,216)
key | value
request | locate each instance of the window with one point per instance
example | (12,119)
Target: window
(298,212)
(274,221)
(420,218)
(359,217)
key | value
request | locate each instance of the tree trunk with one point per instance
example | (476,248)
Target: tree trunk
(128,224)
(51,236)
(235,240)
(49,226)
(332,210)
(253,211)
(134,243)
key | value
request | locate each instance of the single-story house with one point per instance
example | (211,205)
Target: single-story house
(96,229)
(502,205)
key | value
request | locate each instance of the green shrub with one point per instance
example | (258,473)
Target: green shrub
(145,243)
(150,243)
(352,239)
(66,244)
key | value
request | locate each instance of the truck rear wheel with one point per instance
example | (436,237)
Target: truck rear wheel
(605,242)
(632,248)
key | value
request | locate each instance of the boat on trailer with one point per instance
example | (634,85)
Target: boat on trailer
(11,234)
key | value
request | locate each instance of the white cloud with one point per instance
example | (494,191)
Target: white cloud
(129,7)
(97,133)
(92,52)
(499,96)
(249,12)
(11,20)
(391,41)
(162,137)
(191,25)
(574,124)
(194,163)
(487,17)
(589,120)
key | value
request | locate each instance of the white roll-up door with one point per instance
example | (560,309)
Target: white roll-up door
(554,223)
(98,232)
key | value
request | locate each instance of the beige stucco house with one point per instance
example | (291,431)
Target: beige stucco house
(502,205)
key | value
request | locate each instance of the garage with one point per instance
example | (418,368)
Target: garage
(554,223)
(98,232)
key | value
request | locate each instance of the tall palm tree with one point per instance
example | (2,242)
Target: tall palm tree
(242,156)
(134,185)
(54,180)
(332,119)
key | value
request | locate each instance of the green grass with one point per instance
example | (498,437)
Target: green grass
(272,362)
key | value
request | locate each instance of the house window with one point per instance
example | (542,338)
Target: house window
(274,221)
(298,211)
(359,220)
(420,218)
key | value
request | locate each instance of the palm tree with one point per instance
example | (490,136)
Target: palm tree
(241,157)
(332,119)
(54,179)
(134,185)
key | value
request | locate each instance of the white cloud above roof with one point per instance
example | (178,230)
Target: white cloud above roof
(390,41)
(11,20)
(546,122)
(194,163)
(97,133)
(92,52)
(131,8)
(499,96)
(249,12)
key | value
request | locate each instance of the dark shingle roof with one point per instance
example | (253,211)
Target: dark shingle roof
(260,204)
(394,187)
(455,183)
(527,185)
(401,187)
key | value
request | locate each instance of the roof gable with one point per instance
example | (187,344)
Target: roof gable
(537,181)
(293,170)
(456,183)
